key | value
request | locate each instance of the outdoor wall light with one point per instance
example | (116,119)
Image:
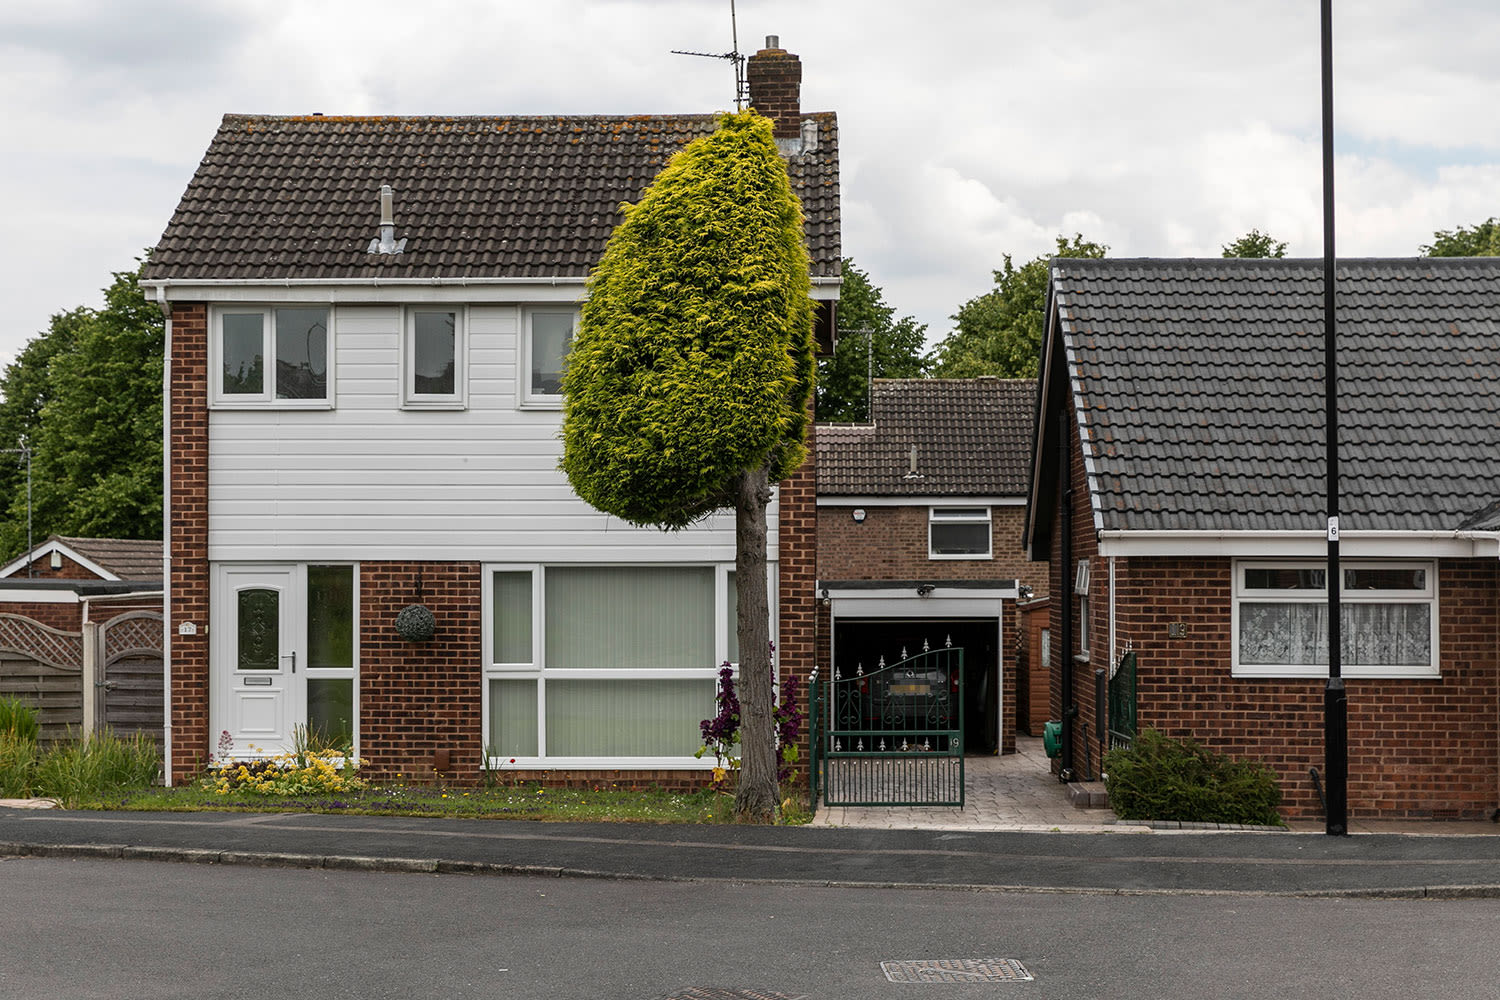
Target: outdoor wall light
(925,589)
(859,515)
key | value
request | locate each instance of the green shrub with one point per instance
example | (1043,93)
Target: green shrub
(17,766)
(18,719)
(80,769)
(1167,779)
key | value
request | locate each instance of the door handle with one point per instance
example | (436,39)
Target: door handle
(293,655)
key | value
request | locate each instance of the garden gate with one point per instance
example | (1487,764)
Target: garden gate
(1122,703)
(892,735)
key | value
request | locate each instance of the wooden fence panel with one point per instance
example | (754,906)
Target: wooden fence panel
(43,666)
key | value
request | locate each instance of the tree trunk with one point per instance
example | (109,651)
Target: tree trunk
(756,798)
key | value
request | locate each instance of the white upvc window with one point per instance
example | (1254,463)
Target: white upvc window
(1388,619)
(546,338)
(1081,581)
(271,356)
(433,354)
(603,666)
(958,533)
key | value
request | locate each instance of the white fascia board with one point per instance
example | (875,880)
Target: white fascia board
(928,501)
(1284,544)
(55,546)
(19,595)
(376,291)
(826,289)
(866,604)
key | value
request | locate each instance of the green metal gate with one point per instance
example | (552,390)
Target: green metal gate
(1122,703)
(892,735)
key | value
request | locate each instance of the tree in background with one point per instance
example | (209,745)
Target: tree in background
(688,386)
(87,394)
(1000,332)
(893,349)
(1482,240)
(1255,244)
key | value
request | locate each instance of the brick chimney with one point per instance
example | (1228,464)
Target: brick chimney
(776,87)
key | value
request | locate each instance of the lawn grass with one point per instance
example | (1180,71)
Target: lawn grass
(524,802)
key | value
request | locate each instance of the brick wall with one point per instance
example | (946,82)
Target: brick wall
(1086,748)
(187,537)
(891,544)
(797,555)
(1033,676)
(41,569)
(775,78)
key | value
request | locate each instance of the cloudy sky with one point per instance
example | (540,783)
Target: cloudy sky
(970,128)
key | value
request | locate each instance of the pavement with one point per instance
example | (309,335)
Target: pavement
(1017,832)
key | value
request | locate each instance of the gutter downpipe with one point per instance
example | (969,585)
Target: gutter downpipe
(1065,592)
(166,535)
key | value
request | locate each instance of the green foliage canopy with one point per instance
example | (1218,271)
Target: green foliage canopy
(87,394)
(896,345)
(1000,332)
(1482,240)
(694,358)
(1255,244)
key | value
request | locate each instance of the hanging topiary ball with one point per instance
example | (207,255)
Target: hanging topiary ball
(415,623)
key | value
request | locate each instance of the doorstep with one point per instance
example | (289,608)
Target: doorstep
(1088,795)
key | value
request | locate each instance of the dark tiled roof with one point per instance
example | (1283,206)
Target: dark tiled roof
(125,558)
(973,438)
(1201,387)
(284,197)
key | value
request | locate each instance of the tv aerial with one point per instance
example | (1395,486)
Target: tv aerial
(734,56)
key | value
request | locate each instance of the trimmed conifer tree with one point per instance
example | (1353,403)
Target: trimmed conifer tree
(688,384)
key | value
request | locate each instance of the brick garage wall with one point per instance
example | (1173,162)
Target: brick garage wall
(1417,748)
(187,537)
(891,544)
(41,569)
(68,617)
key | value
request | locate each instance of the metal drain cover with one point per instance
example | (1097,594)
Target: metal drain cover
(957,970)
(709,993)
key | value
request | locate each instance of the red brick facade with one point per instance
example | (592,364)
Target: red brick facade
(891,544)
(187,538)
(41,569)
(1418,748)
(797,574)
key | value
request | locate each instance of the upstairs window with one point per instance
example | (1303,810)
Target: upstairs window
(958,533)
(271,355)
(432,359)
(547,338)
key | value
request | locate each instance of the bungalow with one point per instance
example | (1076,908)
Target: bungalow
(1177,485)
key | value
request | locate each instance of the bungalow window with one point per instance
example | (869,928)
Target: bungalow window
(1388,620)
(603,665)
(274,355)
(547,338)
(433,359)
(958,533)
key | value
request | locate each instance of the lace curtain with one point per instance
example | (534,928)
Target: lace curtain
(1296,634)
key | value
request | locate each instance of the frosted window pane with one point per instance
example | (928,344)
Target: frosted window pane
(630,617)
(627,718)
(513,718)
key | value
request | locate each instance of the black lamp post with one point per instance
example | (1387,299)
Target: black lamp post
(1335,699)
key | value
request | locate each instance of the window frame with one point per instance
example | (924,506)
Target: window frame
(266,398)
(538,671)
(962,515)
(528,398)
(411,399)
(1241,595)
(1082,582)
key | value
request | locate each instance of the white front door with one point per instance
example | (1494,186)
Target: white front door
(259,687)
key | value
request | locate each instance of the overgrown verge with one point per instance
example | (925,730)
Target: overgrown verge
(74,769)
(1159,778)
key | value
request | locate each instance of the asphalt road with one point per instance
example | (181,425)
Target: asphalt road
(79,928)
(1245,863)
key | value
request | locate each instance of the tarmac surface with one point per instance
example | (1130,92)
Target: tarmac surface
(1017,832)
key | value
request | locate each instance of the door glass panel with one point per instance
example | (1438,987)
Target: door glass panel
(513,722)
(330,711)
(259,629)
(330,616)
(301,353)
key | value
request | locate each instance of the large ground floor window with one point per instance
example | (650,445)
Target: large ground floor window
(1388,622)
(604,665)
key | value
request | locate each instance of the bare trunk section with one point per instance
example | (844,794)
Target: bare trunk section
(756,798)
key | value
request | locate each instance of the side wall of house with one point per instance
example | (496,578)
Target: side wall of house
(187,539)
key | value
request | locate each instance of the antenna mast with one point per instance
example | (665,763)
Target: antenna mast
(741,88)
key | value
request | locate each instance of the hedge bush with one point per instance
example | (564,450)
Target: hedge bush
(1165,779)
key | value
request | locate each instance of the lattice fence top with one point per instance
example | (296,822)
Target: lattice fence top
(45,644)
(132,634)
